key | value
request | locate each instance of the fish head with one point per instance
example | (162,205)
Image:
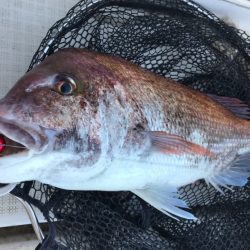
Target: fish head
(54,112)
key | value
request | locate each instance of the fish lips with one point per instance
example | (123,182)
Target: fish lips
(34,137)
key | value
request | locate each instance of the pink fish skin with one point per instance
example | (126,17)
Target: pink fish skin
(91,121)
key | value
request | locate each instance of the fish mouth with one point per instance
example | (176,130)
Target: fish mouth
(10,147)
(18,139)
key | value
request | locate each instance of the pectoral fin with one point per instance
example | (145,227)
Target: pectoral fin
(166,200)
(174,144)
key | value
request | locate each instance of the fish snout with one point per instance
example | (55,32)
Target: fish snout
(32,137)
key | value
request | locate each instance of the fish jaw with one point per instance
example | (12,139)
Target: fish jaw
(23,143)
(32,136)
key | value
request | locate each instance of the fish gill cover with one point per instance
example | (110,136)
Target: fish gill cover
(180,40)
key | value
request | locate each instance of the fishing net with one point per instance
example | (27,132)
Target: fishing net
(179,40)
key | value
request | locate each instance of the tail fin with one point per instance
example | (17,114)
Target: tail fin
(236,174)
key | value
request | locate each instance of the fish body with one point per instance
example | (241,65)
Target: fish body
(90,121)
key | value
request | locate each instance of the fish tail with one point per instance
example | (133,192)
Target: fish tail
(236,174)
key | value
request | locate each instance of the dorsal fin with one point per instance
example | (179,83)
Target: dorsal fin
(236,106)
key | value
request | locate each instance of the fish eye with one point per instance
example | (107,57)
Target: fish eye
(65,85)
(65,88)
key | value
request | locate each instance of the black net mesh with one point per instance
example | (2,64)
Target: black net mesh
(176,39)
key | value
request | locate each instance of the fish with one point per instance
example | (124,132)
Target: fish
(83,120)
